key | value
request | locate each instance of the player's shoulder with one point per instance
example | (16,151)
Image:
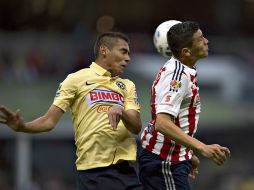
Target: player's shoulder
(173,66)
(174,69)
(125,81)
(80,74)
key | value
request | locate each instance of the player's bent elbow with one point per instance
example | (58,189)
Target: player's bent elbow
(49,128)
(159,126)
(163,123)
(135,129)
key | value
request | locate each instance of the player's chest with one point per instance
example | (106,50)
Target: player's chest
(113,91)
(192,95)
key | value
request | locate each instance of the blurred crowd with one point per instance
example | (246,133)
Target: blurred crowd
(35,64)
(49,57)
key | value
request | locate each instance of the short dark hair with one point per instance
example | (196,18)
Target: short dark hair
(180,36)
(108,39)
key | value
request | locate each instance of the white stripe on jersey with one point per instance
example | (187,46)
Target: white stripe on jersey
(171,151)
(158,146)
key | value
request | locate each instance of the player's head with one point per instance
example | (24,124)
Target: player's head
(108,39)
(112,52)
(187,38)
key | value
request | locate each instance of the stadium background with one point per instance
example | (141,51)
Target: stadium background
(41,41)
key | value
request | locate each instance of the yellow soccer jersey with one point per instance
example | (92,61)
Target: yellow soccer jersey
(90,93)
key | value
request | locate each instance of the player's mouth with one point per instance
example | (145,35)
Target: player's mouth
(123,66)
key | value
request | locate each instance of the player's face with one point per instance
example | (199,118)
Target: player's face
(199,47)
(118,57)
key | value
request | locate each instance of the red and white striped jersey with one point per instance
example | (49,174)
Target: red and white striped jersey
(175,91)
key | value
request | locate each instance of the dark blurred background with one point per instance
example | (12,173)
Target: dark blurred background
(41,41)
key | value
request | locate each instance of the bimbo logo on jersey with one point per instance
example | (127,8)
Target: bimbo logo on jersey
(107,96)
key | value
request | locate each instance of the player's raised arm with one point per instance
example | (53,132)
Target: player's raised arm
(42,124)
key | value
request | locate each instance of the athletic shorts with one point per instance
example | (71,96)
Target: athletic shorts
(121,176)
(157,174)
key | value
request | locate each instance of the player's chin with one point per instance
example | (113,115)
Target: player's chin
(205,54)
(120,72)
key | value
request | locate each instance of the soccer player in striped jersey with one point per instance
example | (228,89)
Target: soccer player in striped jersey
(168,144)
(104,110)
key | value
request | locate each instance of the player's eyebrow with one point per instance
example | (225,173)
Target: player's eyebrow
(125,50)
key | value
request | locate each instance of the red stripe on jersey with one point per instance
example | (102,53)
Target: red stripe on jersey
(164,152)
(192,120)
(192,110)
(144,136)
(153,96)
(187,154)
(192,77)
(192,114)
(152,141)
(175,156)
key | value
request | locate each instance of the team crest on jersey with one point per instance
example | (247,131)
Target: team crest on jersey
(58,90)
(121,85)
(175,85)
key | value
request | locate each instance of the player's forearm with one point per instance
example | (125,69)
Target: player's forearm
(45,123)
(38,125)
(170,130)
(132,121)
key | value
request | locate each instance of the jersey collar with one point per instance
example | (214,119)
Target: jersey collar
(192,70)
(99,70)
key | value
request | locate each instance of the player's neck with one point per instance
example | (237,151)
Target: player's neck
(188,62)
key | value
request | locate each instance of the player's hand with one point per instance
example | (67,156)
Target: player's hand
(114,115)
(218,154)
(195,163)
(12,119)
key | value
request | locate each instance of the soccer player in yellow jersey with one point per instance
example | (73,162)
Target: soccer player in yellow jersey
(104,110)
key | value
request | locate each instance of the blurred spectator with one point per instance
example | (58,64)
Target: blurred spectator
(6,66)
(81,61)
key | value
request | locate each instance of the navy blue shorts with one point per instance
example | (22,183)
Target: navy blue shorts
(157,174)
(120,176)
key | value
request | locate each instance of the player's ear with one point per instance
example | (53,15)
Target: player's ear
(186,51)
(103,50)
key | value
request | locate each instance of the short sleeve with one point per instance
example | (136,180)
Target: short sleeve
(170,93)
(66,93)
(131,99)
